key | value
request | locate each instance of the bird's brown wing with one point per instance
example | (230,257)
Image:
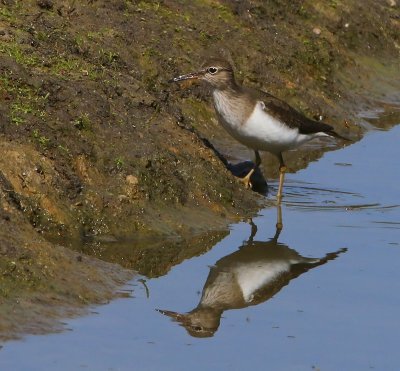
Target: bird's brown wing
(287,114)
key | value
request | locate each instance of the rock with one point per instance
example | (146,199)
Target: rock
(132,180)
(45,4)
(317,30)
(5,35)
(123,198)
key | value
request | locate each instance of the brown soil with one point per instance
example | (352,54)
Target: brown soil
(96,145)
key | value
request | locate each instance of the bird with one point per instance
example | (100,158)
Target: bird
(256,119)
(249,276)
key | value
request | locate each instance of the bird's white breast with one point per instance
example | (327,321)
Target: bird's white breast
(231,117)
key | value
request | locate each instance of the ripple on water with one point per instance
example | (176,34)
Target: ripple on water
(310,197)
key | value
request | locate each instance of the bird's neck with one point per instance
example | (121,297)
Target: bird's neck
(230,92)
(229,88)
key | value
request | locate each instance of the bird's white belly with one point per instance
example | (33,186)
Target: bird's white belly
(261,131)
(264,132)
(253,277)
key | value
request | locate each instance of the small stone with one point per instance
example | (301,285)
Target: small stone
(391,3)
(317,30)
(5,35)
(123,198)
(45,4)
(132,180)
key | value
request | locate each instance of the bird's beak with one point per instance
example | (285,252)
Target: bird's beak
(174,315)
(189,76)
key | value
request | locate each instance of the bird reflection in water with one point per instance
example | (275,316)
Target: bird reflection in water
(249,276)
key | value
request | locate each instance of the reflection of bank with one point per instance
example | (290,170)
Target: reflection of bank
(249,276)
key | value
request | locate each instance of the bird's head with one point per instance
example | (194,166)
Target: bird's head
(216,72)
(201,322)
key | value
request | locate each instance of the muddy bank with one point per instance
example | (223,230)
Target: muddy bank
(41,282)
(95,144)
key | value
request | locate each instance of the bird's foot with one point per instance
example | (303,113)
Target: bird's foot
(246,180)
(247,183)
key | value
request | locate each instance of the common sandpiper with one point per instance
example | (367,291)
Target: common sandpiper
(257,119)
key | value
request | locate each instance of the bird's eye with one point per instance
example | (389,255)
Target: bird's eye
(212,70)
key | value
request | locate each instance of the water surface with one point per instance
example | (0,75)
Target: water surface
(324,293)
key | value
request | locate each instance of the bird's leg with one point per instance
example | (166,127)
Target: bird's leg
(279,222)
(282,170)
(246,179)
(253,231)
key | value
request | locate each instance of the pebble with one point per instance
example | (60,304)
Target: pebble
(5,35)
(132,180)
(317,30)
(45,4)
(123,198)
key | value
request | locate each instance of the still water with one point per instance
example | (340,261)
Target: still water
(323,294)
